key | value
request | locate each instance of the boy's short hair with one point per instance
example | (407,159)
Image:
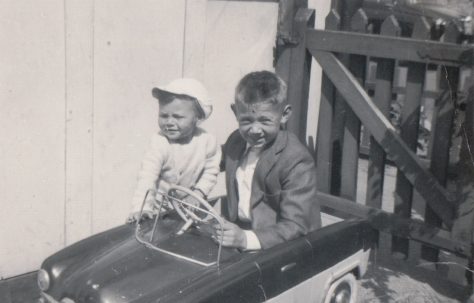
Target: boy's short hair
(261,86)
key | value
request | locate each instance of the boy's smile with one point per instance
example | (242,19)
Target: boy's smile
(259,123)
(177,120)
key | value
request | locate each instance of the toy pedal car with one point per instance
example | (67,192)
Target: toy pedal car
(160,261)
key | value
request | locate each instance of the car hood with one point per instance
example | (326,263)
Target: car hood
(115,267)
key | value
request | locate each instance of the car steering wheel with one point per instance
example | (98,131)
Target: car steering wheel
(203,212)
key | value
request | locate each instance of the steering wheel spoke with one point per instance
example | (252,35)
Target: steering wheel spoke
(185,227)
(190,206)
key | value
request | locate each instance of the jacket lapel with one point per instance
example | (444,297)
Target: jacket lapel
(235,152)
(267,161)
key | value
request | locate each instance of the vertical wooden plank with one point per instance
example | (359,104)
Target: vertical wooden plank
(284,55)
(337,135)
(346,10)
(79,109)
(194,39)
(298,83)
(382,98)
(410,117)
(463,225)
(284,41)
(32,133)
(324,140)
(351,136)
(441,132)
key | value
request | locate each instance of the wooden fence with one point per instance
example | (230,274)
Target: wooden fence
(377,66)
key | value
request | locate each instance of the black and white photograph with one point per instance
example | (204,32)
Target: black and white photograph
(280,151)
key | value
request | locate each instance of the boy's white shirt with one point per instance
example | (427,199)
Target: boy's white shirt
(244,176)
(193,164)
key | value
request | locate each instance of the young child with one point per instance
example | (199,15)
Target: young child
(270,175)
(180,153)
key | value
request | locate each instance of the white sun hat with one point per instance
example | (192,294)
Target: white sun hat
(189,87)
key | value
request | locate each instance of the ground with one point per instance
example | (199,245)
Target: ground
(397,281)
(392,280)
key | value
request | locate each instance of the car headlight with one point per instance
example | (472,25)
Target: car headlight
(43,280)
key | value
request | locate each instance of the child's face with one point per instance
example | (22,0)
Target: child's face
(177,120)
(259,123)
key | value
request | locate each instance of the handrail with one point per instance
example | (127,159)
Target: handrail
(407,49)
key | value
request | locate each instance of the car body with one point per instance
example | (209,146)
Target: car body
(115,266)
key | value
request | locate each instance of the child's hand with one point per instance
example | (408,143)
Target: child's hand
(231,235)
(133,217)
(193,201)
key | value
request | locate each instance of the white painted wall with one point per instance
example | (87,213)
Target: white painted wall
(32,132)
(136,47)
(76,107)
(239,39)
(76,115)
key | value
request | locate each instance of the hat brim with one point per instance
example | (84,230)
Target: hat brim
(159,92)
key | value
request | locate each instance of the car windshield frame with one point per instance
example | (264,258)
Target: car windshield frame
(167,200)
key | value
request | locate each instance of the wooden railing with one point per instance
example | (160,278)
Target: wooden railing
(369,66)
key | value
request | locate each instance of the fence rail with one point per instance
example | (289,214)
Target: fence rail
(402,86)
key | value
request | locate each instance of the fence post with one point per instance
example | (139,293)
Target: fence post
(285,40)
(341,183)
(463,227)
(441,132)
(382,98)
(324,157)
(300,70)
(351,135)
(409,126)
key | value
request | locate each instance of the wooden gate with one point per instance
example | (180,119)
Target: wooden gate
(379,72)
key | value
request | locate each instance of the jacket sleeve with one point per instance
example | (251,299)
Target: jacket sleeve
(150,170)
(211,168)
(299,209)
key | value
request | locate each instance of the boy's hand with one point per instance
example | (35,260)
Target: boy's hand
(231,235)
(133,217)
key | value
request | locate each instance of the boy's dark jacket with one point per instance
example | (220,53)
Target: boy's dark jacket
(283,202)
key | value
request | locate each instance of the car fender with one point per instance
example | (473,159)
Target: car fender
(358,262)
(301,292)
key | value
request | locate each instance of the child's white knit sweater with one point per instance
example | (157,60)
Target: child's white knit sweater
(192,164)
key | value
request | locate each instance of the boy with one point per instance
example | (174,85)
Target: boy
(181,153)
(270,175)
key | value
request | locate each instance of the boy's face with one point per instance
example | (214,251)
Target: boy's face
(259,123)
(177,119)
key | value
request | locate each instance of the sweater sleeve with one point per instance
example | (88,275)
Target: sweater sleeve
(211,167)
(150,170)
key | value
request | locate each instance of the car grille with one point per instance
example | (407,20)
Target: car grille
(45,298)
